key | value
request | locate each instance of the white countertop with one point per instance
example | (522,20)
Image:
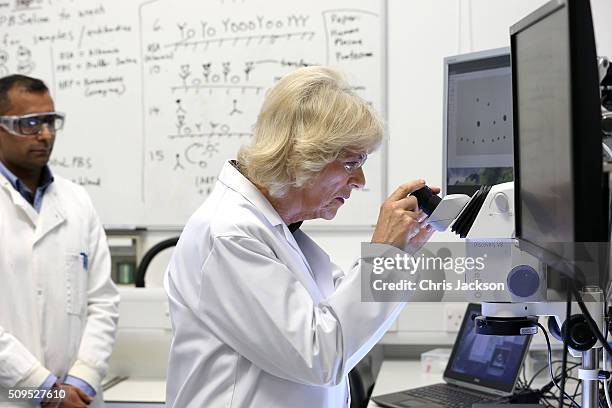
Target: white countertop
(137,390)
(398,375)
(395,375)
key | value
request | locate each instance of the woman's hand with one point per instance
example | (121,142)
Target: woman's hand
(400,219)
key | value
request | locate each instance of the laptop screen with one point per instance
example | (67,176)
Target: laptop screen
(487,361)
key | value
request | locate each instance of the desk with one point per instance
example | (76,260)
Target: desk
(398,375)
(137,393)
(395,375)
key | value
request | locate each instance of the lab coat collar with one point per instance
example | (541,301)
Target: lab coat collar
(232,178)
(34,197)
(51,214)
(19,201)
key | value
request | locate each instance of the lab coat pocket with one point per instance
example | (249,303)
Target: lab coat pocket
(76,283)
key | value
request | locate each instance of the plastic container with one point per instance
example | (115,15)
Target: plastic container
(434,361)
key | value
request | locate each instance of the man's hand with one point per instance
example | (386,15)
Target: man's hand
(75,398)
(399,219)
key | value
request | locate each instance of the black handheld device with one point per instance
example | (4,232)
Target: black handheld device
(427,200)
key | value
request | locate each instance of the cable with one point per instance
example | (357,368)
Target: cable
(568,312)
(576,389)
(524,375)
(605,368)
(552,377)
(533,377)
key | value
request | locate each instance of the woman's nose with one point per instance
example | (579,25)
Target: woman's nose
(357,179)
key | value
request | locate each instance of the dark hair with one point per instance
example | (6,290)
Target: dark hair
(26,83)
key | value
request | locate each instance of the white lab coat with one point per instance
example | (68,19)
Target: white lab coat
(57,314)
(261,317)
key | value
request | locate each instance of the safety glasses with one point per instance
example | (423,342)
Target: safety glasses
(32,124)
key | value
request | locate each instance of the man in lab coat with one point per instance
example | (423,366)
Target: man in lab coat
(59,307)
(261,316)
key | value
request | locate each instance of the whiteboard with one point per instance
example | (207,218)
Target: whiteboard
(159,94)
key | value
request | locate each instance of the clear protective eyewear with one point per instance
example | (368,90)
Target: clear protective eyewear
(354,164)
(32,124)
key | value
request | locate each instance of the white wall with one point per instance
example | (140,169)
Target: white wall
(420,35)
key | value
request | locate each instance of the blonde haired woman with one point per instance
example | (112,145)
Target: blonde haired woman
(261,316)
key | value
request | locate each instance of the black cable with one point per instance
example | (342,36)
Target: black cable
(546,403)
(576,389)
(544,394)
(524,375)
(551,396)
(568,313)
(533,377)
(558,372)
(552,377)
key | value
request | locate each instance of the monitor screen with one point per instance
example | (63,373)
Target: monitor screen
(491,361)
(561,194)
(543,88)
(478,121)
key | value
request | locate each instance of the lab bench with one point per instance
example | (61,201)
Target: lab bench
(395,375)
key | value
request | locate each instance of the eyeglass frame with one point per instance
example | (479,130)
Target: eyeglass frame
(360,161)
(8,122)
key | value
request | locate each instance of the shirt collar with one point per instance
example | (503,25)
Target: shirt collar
(46,178)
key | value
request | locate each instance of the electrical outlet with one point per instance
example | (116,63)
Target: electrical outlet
(453,316)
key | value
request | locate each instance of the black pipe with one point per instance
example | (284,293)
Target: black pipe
(148,257)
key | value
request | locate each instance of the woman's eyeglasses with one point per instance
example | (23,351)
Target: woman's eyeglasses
(352,164)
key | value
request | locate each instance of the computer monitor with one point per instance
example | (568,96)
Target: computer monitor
(561,195)
(477,121)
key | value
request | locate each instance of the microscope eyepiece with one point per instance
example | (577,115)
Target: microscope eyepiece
(427,200)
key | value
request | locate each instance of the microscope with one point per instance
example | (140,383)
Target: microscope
(488,217)
(555,215)
(558,132)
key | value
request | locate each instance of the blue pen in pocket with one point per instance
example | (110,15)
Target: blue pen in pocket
(85,259)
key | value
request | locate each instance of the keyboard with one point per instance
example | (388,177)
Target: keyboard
(449,396)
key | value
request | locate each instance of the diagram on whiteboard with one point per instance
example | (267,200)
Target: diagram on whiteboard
(159,94)
(205,76)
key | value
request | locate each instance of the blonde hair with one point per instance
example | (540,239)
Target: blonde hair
(307,120)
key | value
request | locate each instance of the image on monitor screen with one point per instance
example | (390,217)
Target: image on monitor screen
(478,121)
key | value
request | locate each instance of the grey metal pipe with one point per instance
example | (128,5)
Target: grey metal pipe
(590,361)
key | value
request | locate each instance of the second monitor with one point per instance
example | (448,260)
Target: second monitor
(477,121)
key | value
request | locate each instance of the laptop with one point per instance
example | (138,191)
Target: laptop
(481,369)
